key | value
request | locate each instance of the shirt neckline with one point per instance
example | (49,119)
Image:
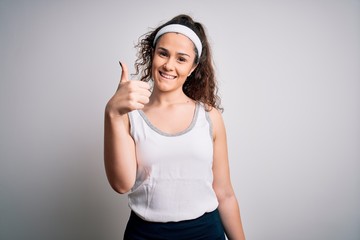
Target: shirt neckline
(186,130)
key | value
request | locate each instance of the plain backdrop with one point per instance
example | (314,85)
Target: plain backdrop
(289,77)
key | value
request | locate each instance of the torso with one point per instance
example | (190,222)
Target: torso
(173,118)
(174,165)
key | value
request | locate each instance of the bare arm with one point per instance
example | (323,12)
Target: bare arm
(119,153)
(119,146)
(228,205)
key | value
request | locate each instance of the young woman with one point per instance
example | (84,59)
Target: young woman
(165,144)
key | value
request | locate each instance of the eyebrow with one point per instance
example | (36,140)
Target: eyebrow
(179,53)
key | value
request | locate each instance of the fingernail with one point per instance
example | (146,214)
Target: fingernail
(120,64)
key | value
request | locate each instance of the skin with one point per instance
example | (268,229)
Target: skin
(171,111)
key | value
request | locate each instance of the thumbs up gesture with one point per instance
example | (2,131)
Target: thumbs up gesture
(130,94)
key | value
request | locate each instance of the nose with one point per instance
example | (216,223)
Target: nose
(169,65)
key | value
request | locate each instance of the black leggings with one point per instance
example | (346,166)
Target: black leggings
(206,227)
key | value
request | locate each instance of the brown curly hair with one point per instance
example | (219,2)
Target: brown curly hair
(201,85)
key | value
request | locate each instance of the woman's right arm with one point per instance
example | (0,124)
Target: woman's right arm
(119,146)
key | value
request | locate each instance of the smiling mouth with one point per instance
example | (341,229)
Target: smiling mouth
(167,76)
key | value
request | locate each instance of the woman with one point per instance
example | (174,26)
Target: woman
(166,143)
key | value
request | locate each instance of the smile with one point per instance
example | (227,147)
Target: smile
(167,76)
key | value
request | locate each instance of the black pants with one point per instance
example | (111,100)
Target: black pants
(206,227)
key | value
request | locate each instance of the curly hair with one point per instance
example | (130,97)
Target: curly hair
(201,85)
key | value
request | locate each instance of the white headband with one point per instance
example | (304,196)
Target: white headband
(178,28)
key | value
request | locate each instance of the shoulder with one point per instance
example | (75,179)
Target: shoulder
(217,122)
(215,115)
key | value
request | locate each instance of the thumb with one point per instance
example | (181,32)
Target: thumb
(124,73)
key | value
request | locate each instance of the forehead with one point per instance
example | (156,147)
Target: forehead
(176,41)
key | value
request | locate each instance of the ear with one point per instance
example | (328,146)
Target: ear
(192,69)
(152,52)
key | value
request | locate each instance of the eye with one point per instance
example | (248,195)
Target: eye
(182,59)
(162,54)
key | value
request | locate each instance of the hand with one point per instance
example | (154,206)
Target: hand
(130,95)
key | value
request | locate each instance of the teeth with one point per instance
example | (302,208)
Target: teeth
(167,76)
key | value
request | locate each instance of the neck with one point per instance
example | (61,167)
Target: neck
(168,98)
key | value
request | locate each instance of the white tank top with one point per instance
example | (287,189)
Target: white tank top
(174,171)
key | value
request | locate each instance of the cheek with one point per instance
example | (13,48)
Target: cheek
(186,70)
(156,62)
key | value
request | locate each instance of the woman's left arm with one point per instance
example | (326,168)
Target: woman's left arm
(228,205)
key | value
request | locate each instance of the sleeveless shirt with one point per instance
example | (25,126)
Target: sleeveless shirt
(174,171)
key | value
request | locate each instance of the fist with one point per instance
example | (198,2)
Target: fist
(130,94)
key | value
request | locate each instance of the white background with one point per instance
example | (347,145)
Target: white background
(289,74)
